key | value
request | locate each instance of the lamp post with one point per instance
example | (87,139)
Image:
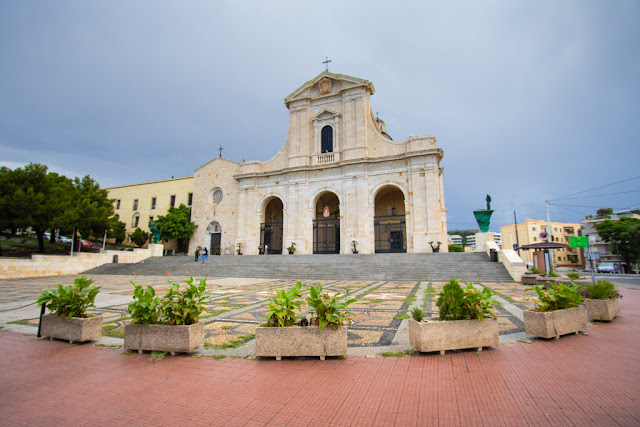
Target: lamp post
(619,263)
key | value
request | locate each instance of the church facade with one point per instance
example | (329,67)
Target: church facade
(338,184)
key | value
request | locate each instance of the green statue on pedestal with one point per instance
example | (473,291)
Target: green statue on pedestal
(483,216)
(154,231)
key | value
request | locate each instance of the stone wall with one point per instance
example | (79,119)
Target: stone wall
(56,265)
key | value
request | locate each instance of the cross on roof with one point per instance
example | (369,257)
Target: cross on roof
(220,150)
(326,62)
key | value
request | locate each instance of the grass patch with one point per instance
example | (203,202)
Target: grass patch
(157,356)
(392,354)
(114,331)
(218,356)
(235,343)
(401,316)
(18,322)
(213,313)
(410,352)
(128,352)
(375,301)
(226,327)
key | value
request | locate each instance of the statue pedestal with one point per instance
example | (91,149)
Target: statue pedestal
(481,241)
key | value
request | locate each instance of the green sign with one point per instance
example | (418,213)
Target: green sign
(579,241)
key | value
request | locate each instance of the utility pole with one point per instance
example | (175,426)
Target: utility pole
(515,224)
(550,238)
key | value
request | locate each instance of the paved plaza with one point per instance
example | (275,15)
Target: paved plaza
(586,379)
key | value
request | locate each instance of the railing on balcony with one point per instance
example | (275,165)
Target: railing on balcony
(325,158)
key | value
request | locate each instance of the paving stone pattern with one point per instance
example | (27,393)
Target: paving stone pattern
(236,310)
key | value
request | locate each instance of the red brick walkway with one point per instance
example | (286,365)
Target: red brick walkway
(578,380)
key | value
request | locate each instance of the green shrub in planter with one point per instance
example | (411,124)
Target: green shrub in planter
(458,303)
(557,297)
(281,307)
(602,289)
(70,301)
(328,311)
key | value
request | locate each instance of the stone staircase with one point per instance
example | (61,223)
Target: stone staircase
(423,267)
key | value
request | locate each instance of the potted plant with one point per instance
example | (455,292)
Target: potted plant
(354,246)
(218,250)
(169,324)
(558,311)
(68,305)
(435,246)
(292,248)
(283,335)
(466,320)
(602,300)
(239,248)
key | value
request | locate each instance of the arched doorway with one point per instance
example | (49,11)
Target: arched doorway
(214,230)
(389,221)
(326,225)
(271,228)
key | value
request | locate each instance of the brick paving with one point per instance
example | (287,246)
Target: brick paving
(586,379)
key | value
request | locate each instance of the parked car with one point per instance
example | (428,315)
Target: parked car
(608,267)
(64,239)
(86,243)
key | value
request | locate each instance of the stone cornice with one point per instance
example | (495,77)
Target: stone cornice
(369,160)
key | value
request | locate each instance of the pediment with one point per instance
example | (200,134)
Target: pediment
(327,84)
(326,115)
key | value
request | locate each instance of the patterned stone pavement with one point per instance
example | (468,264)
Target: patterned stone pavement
(239,305)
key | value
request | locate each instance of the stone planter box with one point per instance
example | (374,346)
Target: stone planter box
(436,335)
(170,338)
(299,341)
(529,279)
(552,324)
(72,329)
(602,309)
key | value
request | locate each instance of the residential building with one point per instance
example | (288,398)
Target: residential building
(137,204)
(532,231)
(599,247)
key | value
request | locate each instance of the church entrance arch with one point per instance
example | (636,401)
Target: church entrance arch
(271,228)
(389,221)
(214,231)
(326,224)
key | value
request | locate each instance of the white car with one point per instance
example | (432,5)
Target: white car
(64,239)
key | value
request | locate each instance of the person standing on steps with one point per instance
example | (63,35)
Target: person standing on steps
(197,253)
(266,249)
(205,255)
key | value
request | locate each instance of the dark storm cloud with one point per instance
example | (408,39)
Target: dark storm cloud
(530,101)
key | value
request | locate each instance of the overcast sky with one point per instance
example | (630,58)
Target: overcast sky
(530,100)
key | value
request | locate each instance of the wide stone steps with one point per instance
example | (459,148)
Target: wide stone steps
(424,267)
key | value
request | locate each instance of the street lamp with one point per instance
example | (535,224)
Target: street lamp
(619,263)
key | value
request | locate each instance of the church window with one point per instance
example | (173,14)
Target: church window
(327,140)
(217,196)
(135,204)
(153,203)
(136,220)
(118,204)
(190,199)
(173,201)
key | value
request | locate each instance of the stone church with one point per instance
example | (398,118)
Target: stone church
(339,183)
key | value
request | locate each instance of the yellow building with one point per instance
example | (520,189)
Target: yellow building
(137,204)
(529,233)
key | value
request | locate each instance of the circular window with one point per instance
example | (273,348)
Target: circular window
(217,196)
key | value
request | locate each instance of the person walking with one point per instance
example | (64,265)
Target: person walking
(197,253)
(205,255)
(266,249)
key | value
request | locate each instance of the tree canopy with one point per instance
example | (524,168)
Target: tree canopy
(626,233)
(33,197)
(176,224)
(139,237)
(604,212)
